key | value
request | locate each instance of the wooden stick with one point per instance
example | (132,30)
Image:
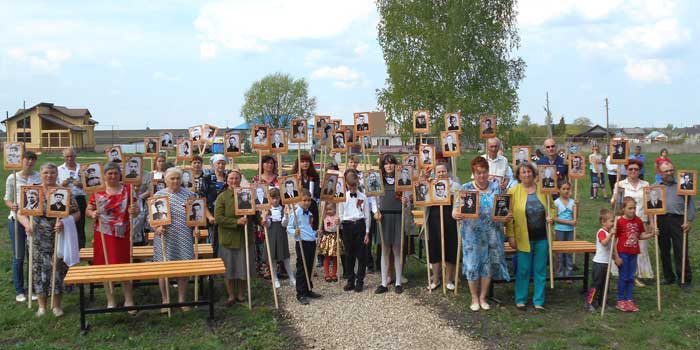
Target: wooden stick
(131,227)
(427,247)
(31,259)
(685,239)
(247,267)
(104,253)
(337,251)
(442,248)
(14,201)
(196,257)
(53,267)
(273,276)
(607,275)
(403,210)
(549,246)
(165,259)
(459,254)
(658,275)
(301,248)
(573,256)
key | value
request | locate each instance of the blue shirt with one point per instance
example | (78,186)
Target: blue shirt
(642,158)
(562,167)
(304,218)
(564,212)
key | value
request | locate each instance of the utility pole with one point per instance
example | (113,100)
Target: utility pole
(548,117)
(607,120)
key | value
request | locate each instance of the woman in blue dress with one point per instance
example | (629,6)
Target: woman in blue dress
(482,238)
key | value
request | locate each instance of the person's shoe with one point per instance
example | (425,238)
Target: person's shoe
(35,297)
(591,197)
(349,286)
(328,279)
(359,287)
(381,290)
(40,312)
(404,280)
(450,286)
(434,286)
(484,305)
(631,306)
(638,283)
(303,300)
(589,307)
(540,308)
(186,309)
(398,289)
(313,295)
(621,305)
(667,282)
(20,298)
(277,283)
(334,279)
(521,307)
(292,282)
(474,307)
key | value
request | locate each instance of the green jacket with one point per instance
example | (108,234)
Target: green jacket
(231,234)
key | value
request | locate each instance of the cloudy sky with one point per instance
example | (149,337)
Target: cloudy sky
(169,63)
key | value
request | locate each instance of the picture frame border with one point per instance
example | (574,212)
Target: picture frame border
(83,177)
(682,192)
(58,214)
(655,211)
(188,205)
(9,166)
(476,203)
(151,203)
(495,200)
(23,200)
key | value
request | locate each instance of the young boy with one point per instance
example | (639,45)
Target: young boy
(600,260)
(300,229)
(354,215)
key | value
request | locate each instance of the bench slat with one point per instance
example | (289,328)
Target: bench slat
(130,268)
(145,252)
(142,271)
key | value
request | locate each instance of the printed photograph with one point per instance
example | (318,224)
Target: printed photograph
(686,182)
(374,185)
(299,131)
(159,211)
(31,201)
(421,122)
(92,177)
(450,143)
(440,191)
(452,121)
(427,156)
(521,155)
(261,137)
(421,193)
(469,204)
(133,168)
(184,150)
(502,207)
(114,154)
(194,209)
(655,200)
(58,202)
(232,144)
(361,123)
(488,126)
(404,176)
(244,201)
(13,156)
(167,141)
(151,146)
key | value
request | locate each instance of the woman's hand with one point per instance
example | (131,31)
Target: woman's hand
(366,240)
(133,209)
(92,213)
(242,220)
(58,227)
(509,217)
(456,214)
(378,216)
(211,219)
(195,233)
(14,207)
(160,230)
(549,220)
(618,261)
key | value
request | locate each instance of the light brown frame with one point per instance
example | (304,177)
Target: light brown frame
(572,174)
(318,134)
(67,198)
(297,187)
(434,200)
(239,137)
(12,166)
(397,176)
(462,197)
(326,177)
(236,193)
(83,174)
(131,180)
(266,188)
(177,150)
(424,203)
(495,201)
(172,140)
(292,124)
(268,135)
(285,141)
(540,179)
(514,153)
(694,178)
(425,130)
(365,180)
(627,151)
(205,129)
(459,121)
(655,211)
(41,199)
(345,137)
(188,208)
(145,146)
(369,126)
(457,151)
(151,203)
(421,165)
(494,123)
(189,133)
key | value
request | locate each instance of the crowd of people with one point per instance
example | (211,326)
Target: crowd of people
(343,233)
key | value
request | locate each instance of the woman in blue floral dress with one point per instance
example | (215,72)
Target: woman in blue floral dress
(482,238)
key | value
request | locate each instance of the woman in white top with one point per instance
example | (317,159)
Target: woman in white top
(595,161)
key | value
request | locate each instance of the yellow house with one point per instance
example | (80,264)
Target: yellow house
(47,127)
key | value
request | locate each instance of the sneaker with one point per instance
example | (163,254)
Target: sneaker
(35,297)
(20,298)
(359,287)
(589,307)
(404,280)
(313,295)
(450,286)
(292,282)
(621,305)
(40,312)
(591,197)
(631,306)
(398,289)
(303,300)
(381,290)
(638,283)
(277,283)
(57,311)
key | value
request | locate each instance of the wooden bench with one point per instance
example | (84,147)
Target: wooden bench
(202,234)
(204,250)
(89,274)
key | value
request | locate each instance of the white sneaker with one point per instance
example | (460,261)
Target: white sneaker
(292,282)
(40,312)
(404,280)
(277,283)
(58,312)
(35,297)
(450,286)
(20,298)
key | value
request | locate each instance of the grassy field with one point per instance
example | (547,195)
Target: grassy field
(564,325)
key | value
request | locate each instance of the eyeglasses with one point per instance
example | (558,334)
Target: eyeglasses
(552,146)
(632,169)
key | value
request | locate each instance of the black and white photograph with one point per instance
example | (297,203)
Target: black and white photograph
(339,145)
(574,148)
(577,166)
(299,131)
(156,185)
(421,193)
(521,155)
(404,176)
(133,168)
(184,150)
(187,179)
(469,204)
(450,143)
(502,206)
(232,144)
(114,154)
(31,201)
(487,125)
(279,140)
(244,201)
(159,211)
(167,140)
(195,134)
(412,160)
(13,156)
(426,156)
(548,178)
(340,189)
(452,122)
(59,202)
(209,133)
(92,177)
(349,134)
(374,186)
(290,189)
(322,127)
(654,200)
(440,191)
(328,187)
(151,146)
(619,151)
(361,123)
(421,122)
(262,196)
(194,209)
(686,182)
(261,137)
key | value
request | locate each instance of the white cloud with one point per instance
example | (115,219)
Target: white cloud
(207,51)
(42,60)
(533,13)
(361,49)
(165,77)
(339,73)
(237,25)
(648,70)
(345,85)
(312,57)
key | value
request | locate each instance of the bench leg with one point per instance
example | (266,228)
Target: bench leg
(92,292)
(83,324)
(211,297)
(585,272)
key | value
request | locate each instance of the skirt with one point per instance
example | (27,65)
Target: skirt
(234,260)
(434,235)
(279,244)
(329,244)
(391,227)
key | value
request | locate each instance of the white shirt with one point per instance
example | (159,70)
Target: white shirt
(64,173)
(349,210)
(14,192)
(612,168)
(602,252)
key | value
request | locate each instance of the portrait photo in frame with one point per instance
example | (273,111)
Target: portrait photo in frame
(244,201)
(195,134)
(421,122)
(299,131)
(194,211)
(619,151)
(290,189)
(151,146)
(261,196)
(114,154)
(31,200)
(156,185)
(184,150)
(322,127)
(469,204)
(521,155)
(209,133)
(450,143)
(421,193)
(577,166)
(58,205)
(349,134)
(261,137)
(548,178)
(426,156)
(92,177)
(133,169)
(361,121)
(232,144)
(655,200)
(440,191)
(502,206)
(12,155)
(412,160)
(487,126)
(374,184)
(340,189)
(279,142)
(328,186)
(686,182)
(159,211)
(404,178)
(453,122)
(187,179)
(167,140)
(339,145)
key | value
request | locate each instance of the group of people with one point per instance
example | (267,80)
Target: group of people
(344,231)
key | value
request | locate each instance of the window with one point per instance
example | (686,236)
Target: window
(24,137)
(24,123)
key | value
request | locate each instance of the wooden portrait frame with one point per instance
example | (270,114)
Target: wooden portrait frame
(205,133)
(283,190)
(146,141)
(84,169)
(433,192)
(516,150)
(380,181)
(647,199)
(152,202)
(573,148)
(16,163)
(40,200)
(266,195)
(196,140)
(318,132)
(421,129)
(238,137)
(364,131)
(345,144)
(548,187)
(497,198)
(127,178)
(407,158)
(285,141)
(349,134)
(337,124)
(463,195)
(417,199)
(450,153)
(330,176)
(397,176)
(109,150)
(458,117)
(573,174)
(179,155)
(153,186)
(611,147)
(485,133)
(189,171)
(431,149)
(173,142)
(693,178)
(293,125)
(237,193)
(341,185)
(254,130)
(52,213)
(202,202)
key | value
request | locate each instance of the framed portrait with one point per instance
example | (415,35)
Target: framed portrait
(337,124)
(133,169)
(619,197)
(453,122)
(322,126)
(151,146)
(261,137)
(328,186)
(502,206)
(31,200)
(159,211)
(440,191)
(279,143)
(261,196)
(521,155)
(12,159)
(340,189)
(404,178)
(349,134)
(619,151)
(114,154)
(58,202)
(184,150)
(209,133)
(412,160)
(421,193)
(167,140)
(469,204)
(450,143)
(195,134)
(548,178)
(655,200)
(686,182)
(361,123)
(92,177)
(156,185)
(299,132)
(374,184)
(187,179)
(487,126)
(232,144)
(194,210)
(577,166)
(290,189)
(364,141)
(574,148)
(426,157)
(244,201)
(421,122)
(339,145)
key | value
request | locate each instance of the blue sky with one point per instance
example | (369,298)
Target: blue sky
(177,63)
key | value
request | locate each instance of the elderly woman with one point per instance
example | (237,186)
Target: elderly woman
(110,209)
(527,233)
(482,238)
(44,231)
(179,239)
(232,239)
(633,187)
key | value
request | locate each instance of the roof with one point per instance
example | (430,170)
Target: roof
(60,122)
(654,134)
(596,130)
(71,112)
(633,131)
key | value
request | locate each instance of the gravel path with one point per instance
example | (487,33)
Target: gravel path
(349,320)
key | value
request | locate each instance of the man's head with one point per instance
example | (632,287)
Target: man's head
(654,195)
(667,171)
(449,139)
(160,206)
(69,156)
(638,150)
(405,173)
(361,119)
(426,153)
(114,153)
(278,136)
(453,120)
(289,186)
(440,189)
(133,165)
(32,196)
(493,144)
(232,141)
(550,147)
(196,206)
(259,192)
(423,188)
(420,118)
(58,197)
(487,123)
(245,195)
(576,162)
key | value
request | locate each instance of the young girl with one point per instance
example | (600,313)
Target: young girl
(276,223)
(594,297)
(329,243)
(564,227)
(390,219)
(630,229)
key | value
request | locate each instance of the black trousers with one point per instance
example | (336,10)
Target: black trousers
(612,180)
(80,225)
(671,236)
(309,253)
(595,293)
(355,250)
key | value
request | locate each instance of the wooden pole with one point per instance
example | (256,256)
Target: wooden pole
(337,251)
(31,260)
(427,247)
(247,266)
(131,226)
(658,275)
(165,259)
(14,201)
(459,254)
(607,275)
(53,267)
(573,256)
(442,248)
(104,253)
(273,276)
(685,239)
(549,246)
(403,210)
(196,257)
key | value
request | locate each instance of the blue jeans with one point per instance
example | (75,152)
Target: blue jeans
(17,261)
(565,261)
(625,281)
(533,263)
